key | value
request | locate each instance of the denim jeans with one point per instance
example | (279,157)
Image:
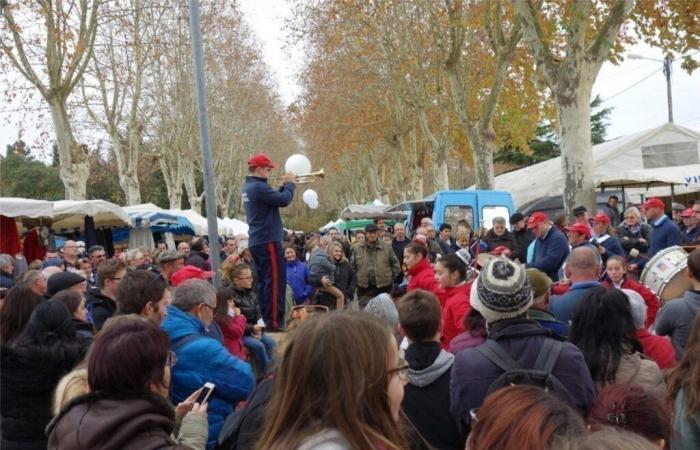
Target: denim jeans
(263,348)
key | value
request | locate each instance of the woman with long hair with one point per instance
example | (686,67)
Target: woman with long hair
(684,393)
(127,405)
(17,307)
(632,408)
(32,366)
(603,329)
(345,278)
(451,274)
(231,321)
(340,383)
(524,417)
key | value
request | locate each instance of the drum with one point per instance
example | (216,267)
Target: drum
(665,274)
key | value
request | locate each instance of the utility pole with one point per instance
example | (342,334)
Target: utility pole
(668,62)
(205,140)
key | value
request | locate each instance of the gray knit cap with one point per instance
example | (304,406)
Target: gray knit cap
(383,308)
(502,290)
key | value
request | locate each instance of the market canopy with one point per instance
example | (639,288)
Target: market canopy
(665,155)
(237,227)
(370,212)
(199,222)
(158,219)
(70,214)
(25,208)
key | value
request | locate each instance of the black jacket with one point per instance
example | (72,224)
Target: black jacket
(247,301)
(522,240)
(426,398)
(345,280)
(27,381)
(493,241)
(632,240)
(100,307)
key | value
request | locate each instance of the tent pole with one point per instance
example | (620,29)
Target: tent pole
(673,193)
(624,200)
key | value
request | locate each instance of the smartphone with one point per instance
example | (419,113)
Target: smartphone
(206,392)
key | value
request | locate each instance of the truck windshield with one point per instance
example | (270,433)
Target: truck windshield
(455,214)
(488,213)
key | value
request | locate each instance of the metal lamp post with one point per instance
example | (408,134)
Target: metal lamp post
(668,63)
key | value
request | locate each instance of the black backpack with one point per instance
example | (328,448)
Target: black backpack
(539,375)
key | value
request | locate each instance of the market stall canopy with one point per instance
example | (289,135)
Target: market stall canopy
(199,222)
(238,227)
(25,208)
(158,219)
(70,214)
(665,155)
(370,212)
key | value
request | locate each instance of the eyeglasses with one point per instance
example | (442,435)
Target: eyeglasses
(401,371)
(171,359)
(208,306)
(311,308)
(99,256)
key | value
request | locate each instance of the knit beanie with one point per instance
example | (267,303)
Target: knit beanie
(502,290)
(383,308)
(62,280)
(50,317)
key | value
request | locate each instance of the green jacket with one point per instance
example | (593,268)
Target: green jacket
(375,265)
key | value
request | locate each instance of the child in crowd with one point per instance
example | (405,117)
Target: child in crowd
(322,273)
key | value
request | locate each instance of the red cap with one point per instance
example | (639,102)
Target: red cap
(260,160)
(536,218)
(580,228)
(688,213)
(189,273)
(654,203)
(600,217)
(420,239)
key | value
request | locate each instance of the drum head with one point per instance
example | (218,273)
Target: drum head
(675,288)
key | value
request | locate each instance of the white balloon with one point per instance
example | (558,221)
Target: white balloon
(298,164)
(313,205)
(309,196)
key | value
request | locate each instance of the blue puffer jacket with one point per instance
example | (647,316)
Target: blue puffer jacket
(203,360)
(297,278)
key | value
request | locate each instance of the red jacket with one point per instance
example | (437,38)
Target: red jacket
(651,300)
(657,348)
(422,276)
(456,308)
(233,329)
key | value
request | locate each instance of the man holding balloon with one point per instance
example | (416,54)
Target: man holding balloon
(262,204)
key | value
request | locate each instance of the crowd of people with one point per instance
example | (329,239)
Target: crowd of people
(540,336)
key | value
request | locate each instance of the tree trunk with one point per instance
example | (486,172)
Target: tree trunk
(574,120)
(74,165)
(415,177)
(483,146)
(173,181)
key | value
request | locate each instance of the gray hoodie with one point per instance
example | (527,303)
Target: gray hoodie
(427,376)
(319,266)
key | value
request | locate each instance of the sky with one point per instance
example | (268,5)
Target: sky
(637,96)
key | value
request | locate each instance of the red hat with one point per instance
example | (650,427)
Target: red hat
(580,228)
(536,218)
(654,203)
(688,213)
(420,239)
(600,217)
(260,160)
(189,273)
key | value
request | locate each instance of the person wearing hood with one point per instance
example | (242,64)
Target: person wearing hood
(427,395)
(102,304)
(32,366)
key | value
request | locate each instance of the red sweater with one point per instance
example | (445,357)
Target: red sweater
(422,276)
(651,300)
(456,308)
(657,348)
(233,329)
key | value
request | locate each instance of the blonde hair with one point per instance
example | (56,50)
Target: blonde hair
(72,385)
(333,245)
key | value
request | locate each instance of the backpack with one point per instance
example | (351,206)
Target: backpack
(539,375)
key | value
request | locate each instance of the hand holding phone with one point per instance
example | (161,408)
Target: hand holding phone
(205,392)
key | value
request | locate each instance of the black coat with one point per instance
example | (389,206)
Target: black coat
(101,308)
(632,240)
(493,241)
(345,280)
(522,239)
(247,301)
(28,378)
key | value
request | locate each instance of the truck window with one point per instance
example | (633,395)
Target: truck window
(488,213)
(453,214)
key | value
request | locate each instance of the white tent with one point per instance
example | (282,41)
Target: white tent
(236,226)
(70,214)
(25,207)
(201,227)
(662,155)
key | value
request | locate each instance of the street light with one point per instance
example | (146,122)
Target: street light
(667,62)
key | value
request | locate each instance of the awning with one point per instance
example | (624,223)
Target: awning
(370,212)
(70,214)
(25,208)
(158,219)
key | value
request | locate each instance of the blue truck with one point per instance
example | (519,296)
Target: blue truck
(478,208)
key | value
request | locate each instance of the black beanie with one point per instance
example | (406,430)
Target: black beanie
(50,317)
(62,280)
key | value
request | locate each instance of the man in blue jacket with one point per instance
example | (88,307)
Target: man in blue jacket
(262,206)
(201,359)
(664,232)
(551,246)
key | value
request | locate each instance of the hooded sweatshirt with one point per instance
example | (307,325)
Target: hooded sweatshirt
(427,395)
